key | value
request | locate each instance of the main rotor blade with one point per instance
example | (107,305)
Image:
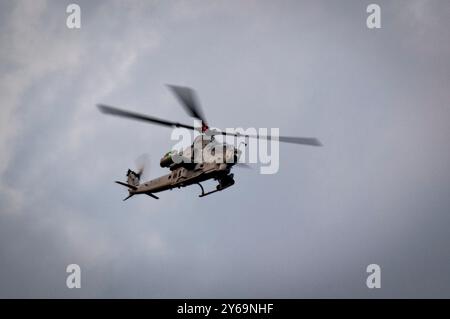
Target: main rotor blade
(187,97)
(312,141)
(141,117)
(243,165)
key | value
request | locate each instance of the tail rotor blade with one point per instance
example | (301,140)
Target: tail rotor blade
(142,164)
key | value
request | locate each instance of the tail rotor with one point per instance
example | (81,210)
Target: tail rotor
(134,178)
(142,164)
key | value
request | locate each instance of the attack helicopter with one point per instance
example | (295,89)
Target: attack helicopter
(206,159)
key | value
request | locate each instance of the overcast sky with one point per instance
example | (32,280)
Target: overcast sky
(377,192)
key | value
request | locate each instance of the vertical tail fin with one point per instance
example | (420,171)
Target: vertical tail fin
(133,178)
(132,182)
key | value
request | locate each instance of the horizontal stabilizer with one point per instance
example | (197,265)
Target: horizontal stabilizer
(126,185)
(128,197)
(151,195)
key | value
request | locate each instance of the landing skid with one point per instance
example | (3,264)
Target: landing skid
(208,193)
(203,194)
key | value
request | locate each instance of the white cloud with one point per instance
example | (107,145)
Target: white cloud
(38,44)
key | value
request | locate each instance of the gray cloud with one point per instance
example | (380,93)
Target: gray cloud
(376,193)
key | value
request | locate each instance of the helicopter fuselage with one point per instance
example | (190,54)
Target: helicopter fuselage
(183,176)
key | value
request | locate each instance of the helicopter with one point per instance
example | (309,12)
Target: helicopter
(206,159)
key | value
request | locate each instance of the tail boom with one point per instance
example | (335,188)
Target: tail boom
(133,185)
